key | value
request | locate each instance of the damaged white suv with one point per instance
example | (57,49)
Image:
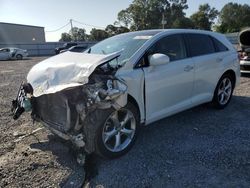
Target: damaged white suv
(99,99)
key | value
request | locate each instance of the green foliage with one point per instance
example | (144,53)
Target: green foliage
(113,30)
(98,34)
(183,23)
(233,17)
(78,34)
(65,37)
(147,14)
(204,17)
(75,34)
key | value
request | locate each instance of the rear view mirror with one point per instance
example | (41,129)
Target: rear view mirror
(158,59)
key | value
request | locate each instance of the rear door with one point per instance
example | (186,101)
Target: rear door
(168,87)
(203,53)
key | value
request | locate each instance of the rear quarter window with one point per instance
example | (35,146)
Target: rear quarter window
(219,47)
(200,44)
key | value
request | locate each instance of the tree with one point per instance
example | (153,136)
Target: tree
(75,34)
(184,23)
(125,17)
(65,37)
(147,14)
(98,34)
(78,34)
(113,30)
(204,17)
(233,17)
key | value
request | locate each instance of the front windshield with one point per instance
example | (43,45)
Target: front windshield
(129,43)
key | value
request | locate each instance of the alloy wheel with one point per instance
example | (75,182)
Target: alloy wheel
(119,130)
(224,91)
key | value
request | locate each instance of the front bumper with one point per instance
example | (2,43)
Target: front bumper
(67,113)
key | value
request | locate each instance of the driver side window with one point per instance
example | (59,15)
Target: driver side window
(173,46)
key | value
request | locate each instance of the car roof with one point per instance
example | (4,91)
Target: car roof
(156,31)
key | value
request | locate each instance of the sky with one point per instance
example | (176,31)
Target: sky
(53,14)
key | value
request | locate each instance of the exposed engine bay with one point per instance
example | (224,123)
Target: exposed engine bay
(66,112)
(244,53)
(244,40)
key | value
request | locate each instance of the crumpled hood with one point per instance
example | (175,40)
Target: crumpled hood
(65,70)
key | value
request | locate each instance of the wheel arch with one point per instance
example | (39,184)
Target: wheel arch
(134,102)
(232,74)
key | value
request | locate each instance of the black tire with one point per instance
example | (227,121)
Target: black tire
(217,102)
(100,148)
(19,57)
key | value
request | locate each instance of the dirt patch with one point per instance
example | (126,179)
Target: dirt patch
(39,160)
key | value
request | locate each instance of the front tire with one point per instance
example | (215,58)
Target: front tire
(223,92)
(117,132)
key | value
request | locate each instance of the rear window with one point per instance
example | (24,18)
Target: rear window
(219,47)
(200,44)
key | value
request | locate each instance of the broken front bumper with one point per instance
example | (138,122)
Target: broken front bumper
(64,112)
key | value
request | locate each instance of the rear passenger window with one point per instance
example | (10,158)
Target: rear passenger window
(200,44)
(219,47)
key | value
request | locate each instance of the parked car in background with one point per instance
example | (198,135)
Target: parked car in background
(99,99)
(78,48)
(12,53)
(65,46)
(244,39)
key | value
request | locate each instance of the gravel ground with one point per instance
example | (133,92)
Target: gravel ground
(201,147)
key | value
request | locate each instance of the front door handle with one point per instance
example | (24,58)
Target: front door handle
(188,68)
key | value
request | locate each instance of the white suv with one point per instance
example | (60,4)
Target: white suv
(99,99)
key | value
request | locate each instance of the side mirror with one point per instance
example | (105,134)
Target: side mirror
(158,59)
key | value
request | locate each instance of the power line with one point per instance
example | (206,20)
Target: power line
(59,28)
(70,23)
(88,24)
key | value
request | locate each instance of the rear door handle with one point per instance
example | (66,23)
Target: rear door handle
(188,68)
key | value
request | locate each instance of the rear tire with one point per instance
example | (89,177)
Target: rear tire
(223,92)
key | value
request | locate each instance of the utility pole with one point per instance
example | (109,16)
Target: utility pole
(71,25)
(163,21)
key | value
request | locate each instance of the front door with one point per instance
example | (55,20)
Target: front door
(168,87)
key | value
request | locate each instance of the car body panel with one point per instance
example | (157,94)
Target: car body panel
(168,93)
(65,70)
(214,66)
(135,82)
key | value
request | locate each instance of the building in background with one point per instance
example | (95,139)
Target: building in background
(21,34)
